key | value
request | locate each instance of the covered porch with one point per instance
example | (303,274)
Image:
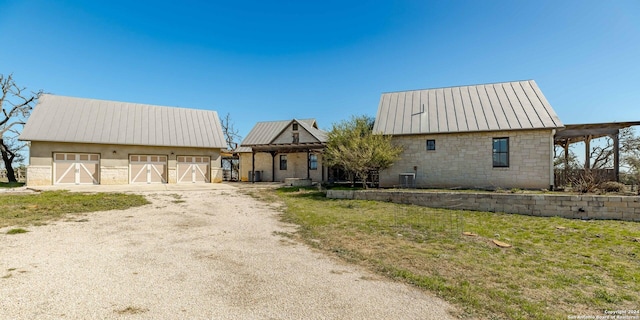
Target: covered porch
(586,133)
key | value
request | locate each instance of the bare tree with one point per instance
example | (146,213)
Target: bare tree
(231,134)
(16,107)
(602,155)
(559,159)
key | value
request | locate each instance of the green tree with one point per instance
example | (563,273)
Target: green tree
(353,146)
(16,106)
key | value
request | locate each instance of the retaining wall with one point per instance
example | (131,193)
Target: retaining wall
(548,205)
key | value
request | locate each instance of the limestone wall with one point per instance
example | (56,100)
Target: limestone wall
(466,160)
(548,205)
(39,175)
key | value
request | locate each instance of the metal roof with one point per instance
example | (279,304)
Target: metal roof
(487,107)
(70,119)
(264,133)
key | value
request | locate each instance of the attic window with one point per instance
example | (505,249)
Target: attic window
(295,127)
(296,137)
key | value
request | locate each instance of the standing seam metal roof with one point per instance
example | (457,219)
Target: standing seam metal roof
(263,133)
(514,105)
(70,119)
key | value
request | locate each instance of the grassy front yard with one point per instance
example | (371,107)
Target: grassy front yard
(555,268)
(30,209)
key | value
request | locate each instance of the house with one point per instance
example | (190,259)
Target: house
(488,135)
(88,141)
(279,150)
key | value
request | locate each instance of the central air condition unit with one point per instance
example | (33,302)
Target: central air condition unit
(408,180)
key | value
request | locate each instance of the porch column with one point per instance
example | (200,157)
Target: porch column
(565,146)
(273,166)
(308,164)
(616,155)
(253,167)
(587,152)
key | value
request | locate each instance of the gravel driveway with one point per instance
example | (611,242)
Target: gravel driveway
(195,254)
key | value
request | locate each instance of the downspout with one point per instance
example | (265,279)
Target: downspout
(551,173)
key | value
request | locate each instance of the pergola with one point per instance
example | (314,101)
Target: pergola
(574,133)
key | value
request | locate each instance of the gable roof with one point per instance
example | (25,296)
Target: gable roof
(514,105)
(69,119)
(264,133)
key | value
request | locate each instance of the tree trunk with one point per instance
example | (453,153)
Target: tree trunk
(363,176)
(7,158)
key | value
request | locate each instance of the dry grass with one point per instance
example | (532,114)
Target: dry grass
(555,268)
(37,209)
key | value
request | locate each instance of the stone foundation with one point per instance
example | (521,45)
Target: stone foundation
(39,175)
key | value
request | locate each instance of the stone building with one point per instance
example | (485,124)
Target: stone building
(480,136)
(88,141)
(281,150)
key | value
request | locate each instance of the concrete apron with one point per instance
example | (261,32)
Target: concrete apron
(137,187)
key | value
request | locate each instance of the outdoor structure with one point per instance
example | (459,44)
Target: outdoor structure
(88,141)
(576,133)
(281,150)
(480,136)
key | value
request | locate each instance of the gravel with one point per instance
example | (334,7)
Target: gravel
(191,254)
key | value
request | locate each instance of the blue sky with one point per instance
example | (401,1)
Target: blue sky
(277,60)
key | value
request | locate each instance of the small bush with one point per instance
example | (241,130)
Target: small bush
(611,186)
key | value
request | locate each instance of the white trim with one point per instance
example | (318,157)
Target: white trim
(76,165)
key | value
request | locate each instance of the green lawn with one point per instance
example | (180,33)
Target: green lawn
(555,268)
(38,208)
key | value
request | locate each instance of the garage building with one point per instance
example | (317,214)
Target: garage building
(88,141)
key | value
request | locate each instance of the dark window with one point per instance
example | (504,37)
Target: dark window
(295,127)
(500,152)
(296,137)
(313,162)
(283,162)
(431,144)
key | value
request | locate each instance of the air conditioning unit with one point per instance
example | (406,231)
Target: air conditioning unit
(408,180)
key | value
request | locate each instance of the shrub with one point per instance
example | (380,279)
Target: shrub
(611,186)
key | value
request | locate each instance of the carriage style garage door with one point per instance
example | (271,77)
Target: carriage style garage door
(76,168)
(193,169)
(148,169)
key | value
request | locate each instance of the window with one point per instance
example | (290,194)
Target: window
(283,162)
(431,145)
(313,162)
(295,127)
(296,137)
(500,152)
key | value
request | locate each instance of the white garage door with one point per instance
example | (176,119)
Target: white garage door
(193,169)
(76,168)
(148,169)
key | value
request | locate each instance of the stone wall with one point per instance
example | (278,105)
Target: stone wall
(466,160)
(39,175)
(548,205)
(114,175)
